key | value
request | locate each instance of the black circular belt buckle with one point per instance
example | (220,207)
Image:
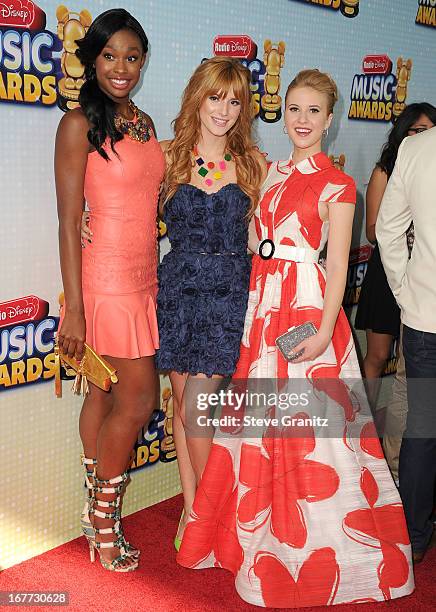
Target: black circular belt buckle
(262,244)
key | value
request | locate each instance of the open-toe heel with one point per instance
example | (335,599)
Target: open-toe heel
(90,466)
(124,562)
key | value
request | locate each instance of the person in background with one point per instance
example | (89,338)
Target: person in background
(107,154)
(410,197)
(377,312)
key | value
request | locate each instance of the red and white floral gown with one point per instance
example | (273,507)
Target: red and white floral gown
(300,520)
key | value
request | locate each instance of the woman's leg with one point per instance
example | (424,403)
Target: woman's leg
(198,437)
(135,396)
(187,474)
(96,408)
(134,399)
(192,444)
(377,352)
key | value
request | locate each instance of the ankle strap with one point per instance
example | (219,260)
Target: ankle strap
(87,460)
(115,515)
(104,486)
(118,543)
(115,529)
(108,504)
(116,480)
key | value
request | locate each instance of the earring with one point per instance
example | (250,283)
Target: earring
(325,132)
(285,131)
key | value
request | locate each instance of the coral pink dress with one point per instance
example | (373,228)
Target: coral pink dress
(119,267)
(300,518)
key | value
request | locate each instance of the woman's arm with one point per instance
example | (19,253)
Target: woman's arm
(253,239)
(71,155)
(374,194)
(164,144)
(338,249)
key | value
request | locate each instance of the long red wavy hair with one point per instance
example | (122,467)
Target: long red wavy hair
(216,76)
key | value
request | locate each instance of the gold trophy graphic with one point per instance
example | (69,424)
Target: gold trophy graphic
(338,161)
(271,102)
(168,446)
(71,27)
(349,8)
(404,69)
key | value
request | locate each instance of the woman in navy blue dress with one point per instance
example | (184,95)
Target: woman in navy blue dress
(211,188)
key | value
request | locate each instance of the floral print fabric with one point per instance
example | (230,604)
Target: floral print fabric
(203,281)
(300,519)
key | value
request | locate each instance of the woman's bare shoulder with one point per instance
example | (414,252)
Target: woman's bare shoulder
(73,130)
(164,145)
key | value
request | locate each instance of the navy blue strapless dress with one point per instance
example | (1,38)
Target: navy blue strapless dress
(203,281)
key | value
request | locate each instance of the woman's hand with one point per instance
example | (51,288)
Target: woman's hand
(313,347)
(85,231)
(72,334)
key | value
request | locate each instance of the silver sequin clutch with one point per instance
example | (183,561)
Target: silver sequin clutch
(289,340)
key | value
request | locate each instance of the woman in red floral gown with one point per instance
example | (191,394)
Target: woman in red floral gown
(302,519)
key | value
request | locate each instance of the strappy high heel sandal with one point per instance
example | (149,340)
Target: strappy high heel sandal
(87,528)
(85,522)
(113,486)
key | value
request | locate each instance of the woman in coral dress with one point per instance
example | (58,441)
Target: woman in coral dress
(107,154)
(302,517)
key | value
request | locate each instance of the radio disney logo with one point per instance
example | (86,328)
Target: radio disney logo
(8,11)
(24,309)
(239,46)
(18,13)
(376,64)
(18,311)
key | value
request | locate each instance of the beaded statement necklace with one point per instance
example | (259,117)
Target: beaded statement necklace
(211,170)
(138,128)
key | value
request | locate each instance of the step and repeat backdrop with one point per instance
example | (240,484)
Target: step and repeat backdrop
(381,54)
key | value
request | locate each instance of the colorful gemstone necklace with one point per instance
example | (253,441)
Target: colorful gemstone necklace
(138,128)
(211,170)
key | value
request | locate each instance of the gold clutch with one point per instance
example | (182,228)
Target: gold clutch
(91,368)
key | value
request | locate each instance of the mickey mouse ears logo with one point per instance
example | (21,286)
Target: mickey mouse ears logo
(21,14)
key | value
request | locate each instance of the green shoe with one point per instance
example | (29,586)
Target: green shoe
(177,539)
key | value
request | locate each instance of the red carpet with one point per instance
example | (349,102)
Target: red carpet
(160,584)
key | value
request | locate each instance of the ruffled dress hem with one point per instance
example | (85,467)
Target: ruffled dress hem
(167,366)
(123,326)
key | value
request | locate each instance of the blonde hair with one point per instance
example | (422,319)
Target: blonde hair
(215,76)
(320,81)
